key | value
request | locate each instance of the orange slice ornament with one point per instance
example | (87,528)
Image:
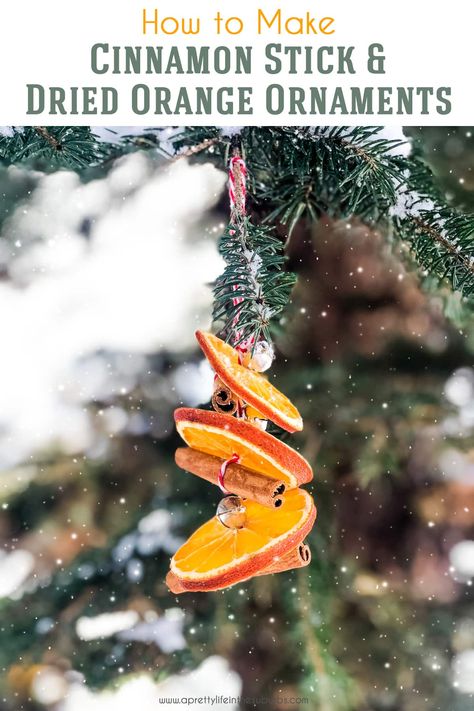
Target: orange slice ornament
(260,525)
(249,385)
(223,435)
(217,556)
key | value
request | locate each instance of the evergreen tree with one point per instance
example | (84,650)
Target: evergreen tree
(353,631)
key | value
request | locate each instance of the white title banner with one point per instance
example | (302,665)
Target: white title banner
(178,62)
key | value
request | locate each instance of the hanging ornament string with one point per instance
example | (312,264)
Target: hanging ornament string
(238,209)
(237,200)
(237,188)
(257,354)
(252,352)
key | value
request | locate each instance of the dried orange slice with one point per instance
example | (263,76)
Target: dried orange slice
(215,556)
(224,435)
(250,386)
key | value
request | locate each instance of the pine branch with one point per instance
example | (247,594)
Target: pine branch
(440,238)
(303,173)
(341,172)
(55,147)
(44,133)
(298,174)
(443,244)
(255,274)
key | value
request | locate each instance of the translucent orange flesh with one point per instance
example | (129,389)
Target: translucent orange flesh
(223,444)
(213,548)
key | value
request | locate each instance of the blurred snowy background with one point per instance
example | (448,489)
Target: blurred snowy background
(84,262)
(102,284)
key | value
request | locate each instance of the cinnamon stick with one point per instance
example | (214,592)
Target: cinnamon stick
(298,557)
(239,480)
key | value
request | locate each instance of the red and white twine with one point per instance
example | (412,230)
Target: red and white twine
(223,468)
(237,187)
(237,199)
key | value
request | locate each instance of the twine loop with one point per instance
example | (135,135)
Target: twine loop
(223,468)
